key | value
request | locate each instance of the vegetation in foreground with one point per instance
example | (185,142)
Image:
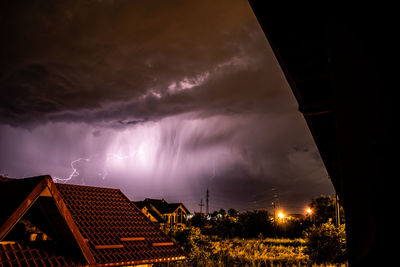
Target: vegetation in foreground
(251,239)
(206,251)
(244,252)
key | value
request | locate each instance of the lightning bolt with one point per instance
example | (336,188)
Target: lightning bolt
(103,174)
(74,172)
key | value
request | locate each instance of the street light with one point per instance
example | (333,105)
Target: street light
(309,211)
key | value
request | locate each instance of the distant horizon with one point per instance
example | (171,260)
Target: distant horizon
(195,209)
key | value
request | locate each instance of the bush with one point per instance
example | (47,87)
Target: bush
(183,238)
(253,223)
(326,243)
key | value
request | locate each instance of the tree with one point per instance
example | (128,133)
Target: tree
(198,220)
(214,214)
(222,212)
(326,243)
(223,227)
(232,212)
(253,223)
(323,208)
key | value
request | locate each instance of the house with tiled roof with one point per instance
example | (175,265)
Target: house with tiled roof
(152,213)
(166,215)
(43,223)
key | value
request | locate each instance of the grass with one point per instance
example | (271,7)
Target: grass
(205,251)
(255,252)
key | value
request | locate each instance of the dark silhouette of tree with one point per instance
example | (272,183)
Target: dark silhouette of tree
(214,214)
(198,220)
(222,212)
(232,212)
(323,208)
(253,223)
(326,243)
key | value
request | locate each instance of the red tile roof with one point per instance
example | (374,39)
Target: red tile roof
(106,226)
(25,254)
(115,228)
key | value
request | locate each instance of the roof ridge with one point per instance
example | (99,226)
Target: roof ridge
(7,179)
(90,186)
(46,186)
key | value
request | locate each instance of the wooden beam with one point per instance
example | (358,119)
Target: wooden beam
(22,208)
(7,242)
(70,222)
(108,246)
(163,244)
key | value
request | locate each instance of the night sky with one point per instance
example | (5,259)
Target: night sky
(162,99)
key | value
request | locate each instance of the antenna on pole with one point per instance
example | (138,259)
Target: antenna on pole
(207,202)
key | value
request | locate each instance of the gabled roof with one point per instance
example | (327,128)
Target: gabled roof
(151,209)
(18,197)
(174,206)
(163,206)
(105,225)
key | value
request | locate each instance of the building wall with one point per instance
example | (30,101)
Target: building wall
(148,215)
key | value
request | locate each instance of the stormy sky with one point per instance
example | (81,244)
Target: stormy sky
(162,99)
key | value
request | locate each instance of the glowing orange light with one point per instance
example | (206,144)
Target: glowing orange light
(309,211)
(281,215)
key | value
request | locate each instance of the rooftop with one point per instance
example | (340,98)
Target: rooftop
(101,225)
(161,205)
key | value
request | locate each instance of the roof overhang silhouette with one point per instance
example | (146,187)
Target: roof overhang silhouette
(337,61)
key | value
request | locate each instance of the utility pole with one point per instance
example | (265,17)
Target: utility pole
(275,199)
(201,206)
(273,205)
(337,210)
(207,203)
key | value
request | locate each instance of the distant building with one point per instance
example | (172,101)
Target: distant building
(47,224)
(152,213)
(165,215)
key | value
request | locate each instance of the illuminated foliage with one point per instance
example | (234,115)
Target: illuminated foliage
(326,243)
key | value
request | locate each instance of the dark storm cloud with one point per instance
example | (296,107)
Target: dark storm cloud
(160,98)
(291,190)
(97,61)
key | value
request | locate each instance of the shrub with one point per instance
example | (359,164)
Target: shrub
(326,243)
(253,223)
